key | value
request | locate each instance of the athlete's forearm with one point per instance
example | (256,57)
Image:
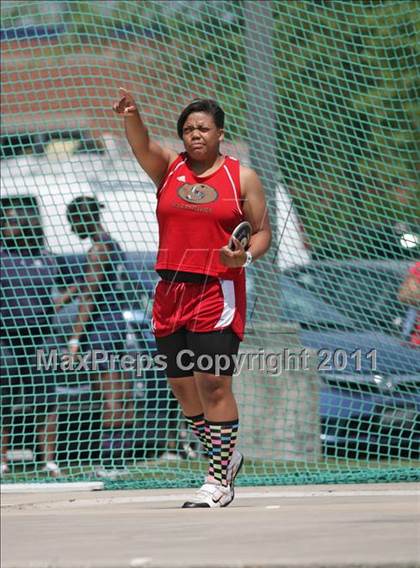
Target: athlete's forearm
(260,243)
(137,133)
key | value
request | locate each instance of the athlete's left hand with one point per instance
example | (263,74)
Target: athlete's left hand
(233,258)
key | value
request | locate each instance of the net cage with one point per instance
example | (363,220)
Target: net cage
(321,99)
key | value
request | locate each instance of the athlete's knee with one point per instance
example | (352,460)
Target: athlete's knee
(182,389)
(214,388)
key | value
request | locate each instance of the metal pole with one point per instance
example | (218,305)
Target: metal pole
(261,121)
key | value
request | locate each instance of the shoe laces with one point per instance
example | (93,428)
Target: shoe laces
(210,489)
(206,490)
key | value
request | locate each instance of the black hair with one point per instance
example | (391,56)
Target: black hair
(201,105)
(86,208)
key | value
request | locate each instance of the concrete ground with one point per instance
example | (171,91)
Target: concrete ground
(322,526)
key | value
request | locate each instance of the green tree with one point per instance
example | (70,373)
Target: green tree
(347,114)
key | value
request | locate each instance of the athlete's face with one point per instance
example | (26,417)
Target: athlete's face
(201,136)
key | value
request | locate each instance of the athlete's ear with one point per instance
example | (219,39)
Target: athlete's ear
(221,134)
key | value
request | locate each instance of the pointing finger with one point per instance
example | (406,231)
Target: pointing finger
(125,93)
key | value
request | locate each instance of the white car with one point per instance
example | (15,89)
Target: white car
(129,196)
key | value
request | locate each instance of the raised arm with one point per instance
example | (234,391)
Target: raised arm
(153,158)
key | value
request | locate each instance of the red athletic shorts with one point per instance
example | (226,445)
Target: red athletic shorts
(211,306)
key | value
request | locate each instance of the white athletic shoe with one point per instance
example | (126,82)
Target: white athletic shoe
(52,469)
(234,467)
(211,495)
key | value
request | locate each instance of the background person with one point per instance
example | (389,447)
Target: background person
(27,278)
(100,325)
(200,300)
(410,294)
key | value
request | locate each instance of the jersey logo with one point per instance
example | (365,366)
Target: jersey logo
(181,178)
(197,193)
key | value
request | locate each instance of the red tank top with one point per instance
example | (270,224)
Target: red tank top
(196,216)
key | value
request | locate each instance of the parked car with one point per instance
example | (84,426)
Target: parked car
(365,291)
(378,240)
(128,195)
(38,143)
(370,393)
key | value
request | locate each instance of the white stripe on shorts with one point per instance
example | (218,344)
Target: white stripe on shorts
(229,305)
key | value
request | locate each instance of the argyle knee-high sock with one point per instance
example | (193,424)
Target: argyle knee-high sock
(197,425)
(221,440)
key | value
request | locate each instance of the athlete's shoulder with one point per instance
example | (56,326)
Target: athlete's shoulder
(179,161)
(247,173)
(180,158)
(232,161)
(233,165)
(249,179)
